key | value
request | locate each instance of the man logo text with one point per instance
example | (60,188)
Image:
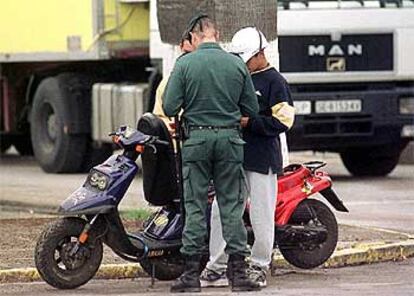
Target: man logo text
(335,50)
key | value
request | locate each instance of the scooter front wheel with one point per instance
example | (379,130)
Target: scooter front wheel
(308,255)
(63,263)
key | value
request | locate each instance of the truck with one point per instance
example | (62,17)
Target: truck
(350,67)
(72,71)
(54,57)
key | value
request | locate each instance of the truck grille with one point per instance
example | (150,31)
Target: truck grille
(331,126)
(352,52)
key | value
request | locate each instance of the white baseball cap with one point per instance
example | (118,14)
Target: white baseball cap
(247,42)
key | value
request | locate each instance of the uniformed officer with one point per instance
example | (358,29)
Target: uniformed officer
(215,90)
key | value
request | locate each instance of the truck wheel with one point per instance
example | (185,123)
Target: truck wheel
(96,155)
(368,162)
(57,150)
(23,145)
(5,144)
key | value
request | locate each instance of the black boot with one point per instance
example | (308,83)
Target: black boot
(237,275)
(189,281)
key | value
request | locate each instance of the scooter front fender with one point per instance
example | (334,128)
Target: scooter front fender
(118,172)
(85,201)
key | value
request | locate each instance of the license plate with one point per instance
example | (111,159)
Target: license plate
(302,107)
(338,106)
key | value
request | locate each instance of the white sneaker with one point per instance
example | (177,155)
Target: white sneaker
(210,278)
(258,275)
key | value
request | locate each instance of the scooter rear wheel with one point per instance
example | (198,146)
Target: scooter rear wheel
(310,255)
(54,259)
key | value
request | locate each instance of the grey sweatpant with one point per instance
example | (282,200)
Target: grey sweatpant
(263,192)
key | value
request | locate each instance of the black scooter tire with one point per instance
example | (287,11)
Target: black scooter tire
(300,255)
(51,240)
(168,268)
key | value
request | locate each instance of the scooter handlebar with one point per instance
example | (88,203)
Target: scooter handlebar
(161,142)
(127,138)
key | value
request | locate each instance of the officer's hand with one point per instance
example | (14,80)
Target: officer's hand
(244,121)
(171,129)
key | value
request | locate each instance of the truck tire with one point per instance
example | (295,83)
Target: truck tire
(96,155)
(5,144)
(23,145)
(368,162)
(57,149)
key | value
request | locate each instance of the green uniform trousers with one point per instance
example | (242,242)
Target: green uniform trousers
(215,154)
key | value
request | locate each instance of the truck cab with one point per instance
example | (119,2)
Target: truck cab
(351,72)
(350,68)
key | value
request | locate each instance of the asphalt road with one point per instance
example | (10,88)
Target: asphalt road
(22,181)
(386,202)
(374,202)
(392,278)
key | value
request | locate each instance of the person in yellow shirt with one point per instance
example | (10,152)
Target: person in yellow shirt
(186,47)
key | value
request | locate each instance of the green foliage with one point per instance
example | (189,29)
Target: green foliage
(138,214)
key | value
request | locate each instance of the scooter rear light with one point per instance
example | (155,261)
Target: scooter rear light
(83,237)
(139,148)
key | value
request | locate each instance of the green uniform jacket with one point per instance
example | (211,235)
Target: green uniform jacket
(212,86)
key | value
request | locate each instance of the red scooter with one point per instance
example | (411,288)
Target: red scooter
(306,231)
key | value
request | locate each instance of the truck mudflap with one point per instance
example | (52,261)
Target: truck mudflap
(333,199)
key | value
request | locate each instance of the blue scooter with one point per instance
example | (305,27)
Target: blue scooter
(69,250)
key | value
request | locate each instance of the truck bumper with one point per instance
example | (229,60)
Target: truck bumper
(378,123)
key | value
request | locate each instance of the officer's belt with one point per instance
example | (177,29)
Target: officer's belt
(212,127)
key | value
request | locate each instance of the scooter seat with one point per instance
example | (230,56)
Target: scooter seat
(159,169)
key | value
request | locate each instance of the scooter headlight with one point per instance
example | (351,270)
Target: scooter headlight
(98,180)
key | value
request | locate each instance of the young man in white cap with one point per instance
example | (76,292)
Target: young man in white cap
(262,159)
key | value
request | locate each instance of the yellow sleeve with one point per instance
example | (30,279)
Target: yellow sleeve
(158,102)
(285,113)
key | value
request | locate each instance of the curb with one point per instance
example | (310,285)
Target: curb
(363,254)
(106,271)
(358,255)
